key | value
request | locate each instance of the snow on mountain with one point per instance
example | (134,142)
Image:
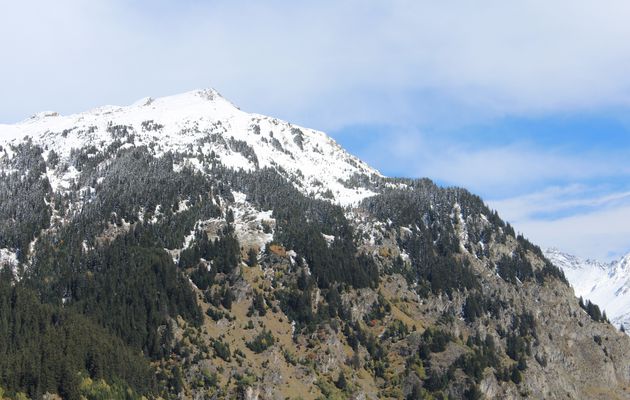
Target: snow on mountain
(583,274)
(8,258)
(607,285)
(202,121)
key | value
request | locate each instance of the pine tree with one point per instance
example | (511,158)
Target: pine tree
(228,297)
(252,257)
(258,304)
(516,376)
(341,381)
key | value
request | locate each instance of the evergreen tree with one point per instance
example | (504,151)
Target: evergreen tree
(341,381)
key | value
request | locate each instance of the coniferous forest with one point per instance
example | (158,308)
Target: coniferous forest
(167,274)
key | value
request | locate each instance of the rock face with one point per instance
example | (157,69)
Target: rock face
(234,255)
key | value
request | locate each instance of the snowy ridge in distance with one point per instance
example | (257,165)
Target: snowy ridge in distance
(607,285)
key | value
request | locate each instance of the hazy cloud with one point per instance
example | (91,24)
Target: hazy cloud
(327,63)
(601,234)
(493,169)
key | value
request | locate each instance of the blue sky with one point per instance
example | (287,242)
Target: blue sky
(525,103)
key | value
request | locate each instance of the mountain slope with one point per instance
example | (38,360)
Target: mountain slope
(606,285)
(204,123)
(238,256)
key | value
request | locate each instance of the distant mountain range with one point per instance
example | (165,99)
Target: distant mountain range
(605,284)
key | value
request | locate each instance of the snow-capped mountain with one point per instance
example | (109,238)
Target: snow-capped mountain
(201,122)
(605,284)
(182,248)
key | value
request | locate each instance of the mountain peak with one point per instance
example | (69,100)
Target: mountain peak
(571,262)
(622,266)
(44,114)
(197,97)
(209,94)
(605,284)
(194,103)
(202,123)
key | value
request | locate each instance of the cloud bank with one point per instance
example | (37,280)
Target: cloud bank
(325,63)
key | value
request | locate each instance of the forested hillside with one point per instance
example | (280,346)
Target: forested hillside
(197,251)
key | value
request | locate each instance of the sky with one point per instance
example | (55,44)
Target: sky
(525,103)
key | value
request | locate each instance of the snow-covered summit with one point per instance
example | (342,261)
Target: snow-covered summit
(605,284)
(570,262)
(202,122)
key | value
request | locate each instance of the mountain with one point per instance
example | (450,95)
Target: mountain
(607,285)
(205,123)
(182,248)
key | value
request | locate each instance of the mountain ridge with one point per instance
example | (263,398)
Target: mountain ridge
(606,284)
(230,255)
(175,122)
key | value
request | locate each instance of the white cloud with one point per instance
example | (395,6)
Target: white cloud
(584,220)
(558,200)
(496,171)
(602,234)
(325,64)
